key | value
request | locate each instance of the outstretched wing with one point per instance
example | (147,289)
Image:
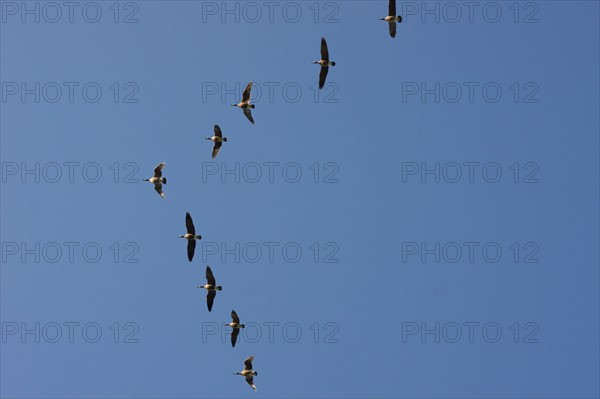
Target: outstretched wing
(210,278)
(392,8)
(248,114)
(216,149)
(392,29)
(189,224)
(218,132)
(250,381)
(324,50)
(234,335)
(323,76)
(210,298)
(191,247)
(158,188)
(248,363)
(235,317)
(246,94)
(158,169)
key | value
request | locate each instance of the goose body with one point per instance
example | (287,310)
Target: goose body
(245,103)
(248,373)
(324,62)
(211,287)
(235,325)
(190,235)
(392,18)
(157,179)
(218,139)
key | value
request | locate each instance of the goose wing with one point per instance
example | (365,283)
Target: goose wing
(248,363)
(234,335)
(323,76)
(246,93)
(210,299)
(189,224)
(158,188)
(216,149)
(392,8)
(210,278)
(392,29)
(158,169)
(250,381)
(218,132)
(248,114)
(324,50)
(191,248)
(235,317)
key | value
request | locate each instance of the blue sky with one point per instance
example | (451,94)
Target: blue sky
(365,252)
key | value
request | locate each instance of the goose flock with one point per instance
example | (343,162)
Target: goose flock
(158,180)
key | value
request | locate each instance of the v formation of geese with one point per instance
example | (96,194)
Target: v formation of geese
(158,180)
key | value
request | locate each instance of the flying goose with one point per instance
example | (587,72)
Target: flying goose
(245,103)
(248,372)
(324,62)
(190,236)
(235,325)
(218,139)
(158,180)
(211,287)
(392,18)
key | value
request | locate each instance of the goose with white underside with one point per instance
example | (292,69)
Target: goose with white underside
(245,103)
(235,325)
(218,139)
(248,372)
(158,180)
(211,287)
(392,18)
(324,62)
(191,236)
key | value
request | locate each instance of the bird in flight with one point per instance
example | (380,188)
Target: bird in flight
(248,372)
(210,286)
(245,103)
(392,18)
(235,325)
(324,62)
(158,180)
(218,139)
(190,236)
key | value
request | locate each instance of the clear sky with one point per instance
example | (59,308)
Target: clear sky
(425,226)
